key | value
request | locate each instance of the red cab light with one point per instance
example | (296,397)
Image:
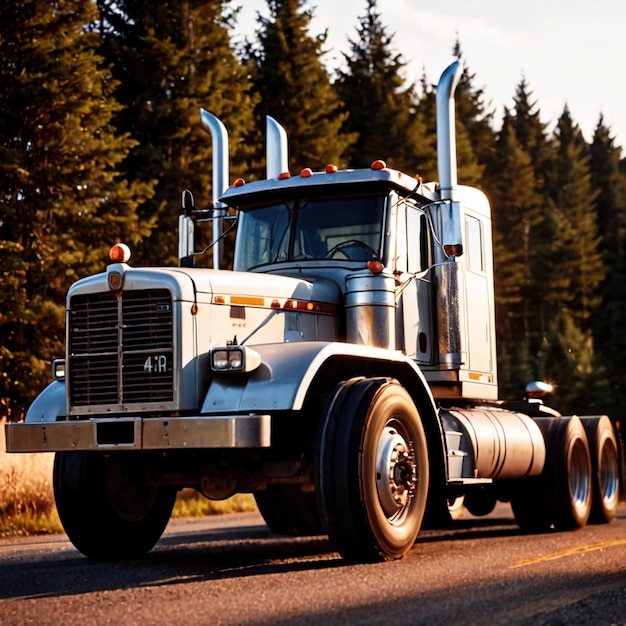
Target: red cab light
(119,253)
(376,267)
(379,164)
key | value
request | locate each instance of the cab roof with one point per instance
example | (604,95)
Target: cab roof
(243,193)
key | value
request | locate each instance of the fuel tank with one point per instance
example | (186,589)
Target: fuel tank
(494,443)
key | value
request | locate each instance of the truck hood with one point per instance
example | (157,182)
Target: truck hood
(207,285)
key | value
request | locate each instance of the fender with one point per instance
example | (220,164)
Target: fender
(49,405)
(287,371)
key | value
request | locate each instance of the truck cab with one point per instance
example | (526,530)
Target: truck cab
(344,371)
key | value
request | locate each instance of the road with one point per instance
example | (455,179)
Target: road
(232,570)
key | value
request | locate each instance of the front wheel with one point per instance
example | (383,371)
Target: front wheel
(371,470)
(106,505)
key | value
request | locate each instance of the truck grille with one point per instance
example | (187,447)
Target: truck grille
(120,348)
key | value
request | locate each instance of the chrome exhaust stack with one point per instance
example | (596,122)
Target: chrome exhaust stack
(446,130)
(219,137)
(276,151)
(448,274)
(446,161)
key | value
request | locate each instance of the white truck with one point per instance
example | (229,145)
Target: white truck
(344,372)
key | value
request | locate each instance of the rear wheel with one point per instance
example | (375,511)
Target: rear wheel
(605,468)
(372,470)
(561,496)
(569,473)
(107,507)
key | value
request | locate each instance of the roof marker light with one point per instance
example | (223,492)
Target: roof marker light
(240,182)
(307,172)
(284,176)
(376,267)
(379,164)
(119,253)
(330,168)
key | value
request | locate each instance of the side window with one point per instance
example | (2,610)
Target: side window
(474,244)
(418,241)
(401,260)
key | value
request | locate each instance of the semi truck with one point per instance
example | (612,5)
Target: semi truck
(343,371)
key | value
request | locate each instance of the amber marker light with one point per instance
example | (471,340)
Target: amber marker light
(119,253)
(376,267)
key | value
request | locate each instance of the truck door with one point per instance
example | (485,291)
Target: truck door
(479,298)
(416,296)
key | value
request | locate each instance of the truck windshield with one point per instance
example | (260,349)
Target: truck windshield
(341,228)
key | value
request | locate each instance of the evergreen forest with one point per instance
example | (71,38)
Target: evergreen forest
(100,132)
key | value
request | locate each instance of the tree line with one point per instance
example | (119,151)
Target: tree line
(100,132)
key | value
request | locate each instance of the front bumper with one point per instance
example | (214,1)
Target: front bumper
(137,433)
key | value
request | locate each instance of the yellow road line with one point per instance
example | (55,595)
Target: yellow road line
(570,552)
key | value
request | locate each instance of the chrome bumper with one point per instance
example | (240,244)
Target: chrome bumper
(137,433)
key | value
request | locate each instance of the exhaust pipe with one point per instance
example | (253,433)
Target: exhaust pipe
(219,137)
(446,133)
(448,275)
(276,152)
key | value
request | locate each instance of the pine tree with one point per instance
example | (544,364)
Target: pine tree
(545,279)
(475,135)
(381,107)
(609,181)
(530,130)
(577,244)
(61,200)
(568,360)
(295,88)
(515,217)
(172,59)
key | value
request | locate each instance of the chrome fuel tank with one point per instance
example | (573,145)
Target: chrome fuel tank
(495,443)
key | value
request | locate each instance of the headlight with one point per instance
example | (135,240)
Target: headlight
(234,359)
(58,369)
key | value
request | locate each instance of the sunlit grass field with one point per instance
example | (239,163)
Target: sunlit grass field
(27,499)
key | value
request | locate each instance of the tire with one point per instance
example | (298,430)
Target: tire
(561,496)
(567,472)
(288,510)
(605,468)
(371,470)
(107,508)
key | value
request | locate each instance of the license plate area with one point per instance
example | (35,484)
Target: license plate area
(118,433)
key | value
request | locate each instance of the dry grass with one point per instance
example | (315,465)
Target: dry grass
(189,503)
(27,499)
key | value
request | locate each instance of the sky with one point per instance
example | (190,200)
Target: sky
(571,53)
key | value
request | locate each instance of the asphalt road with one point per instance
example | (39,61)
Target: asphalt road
(233,570)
